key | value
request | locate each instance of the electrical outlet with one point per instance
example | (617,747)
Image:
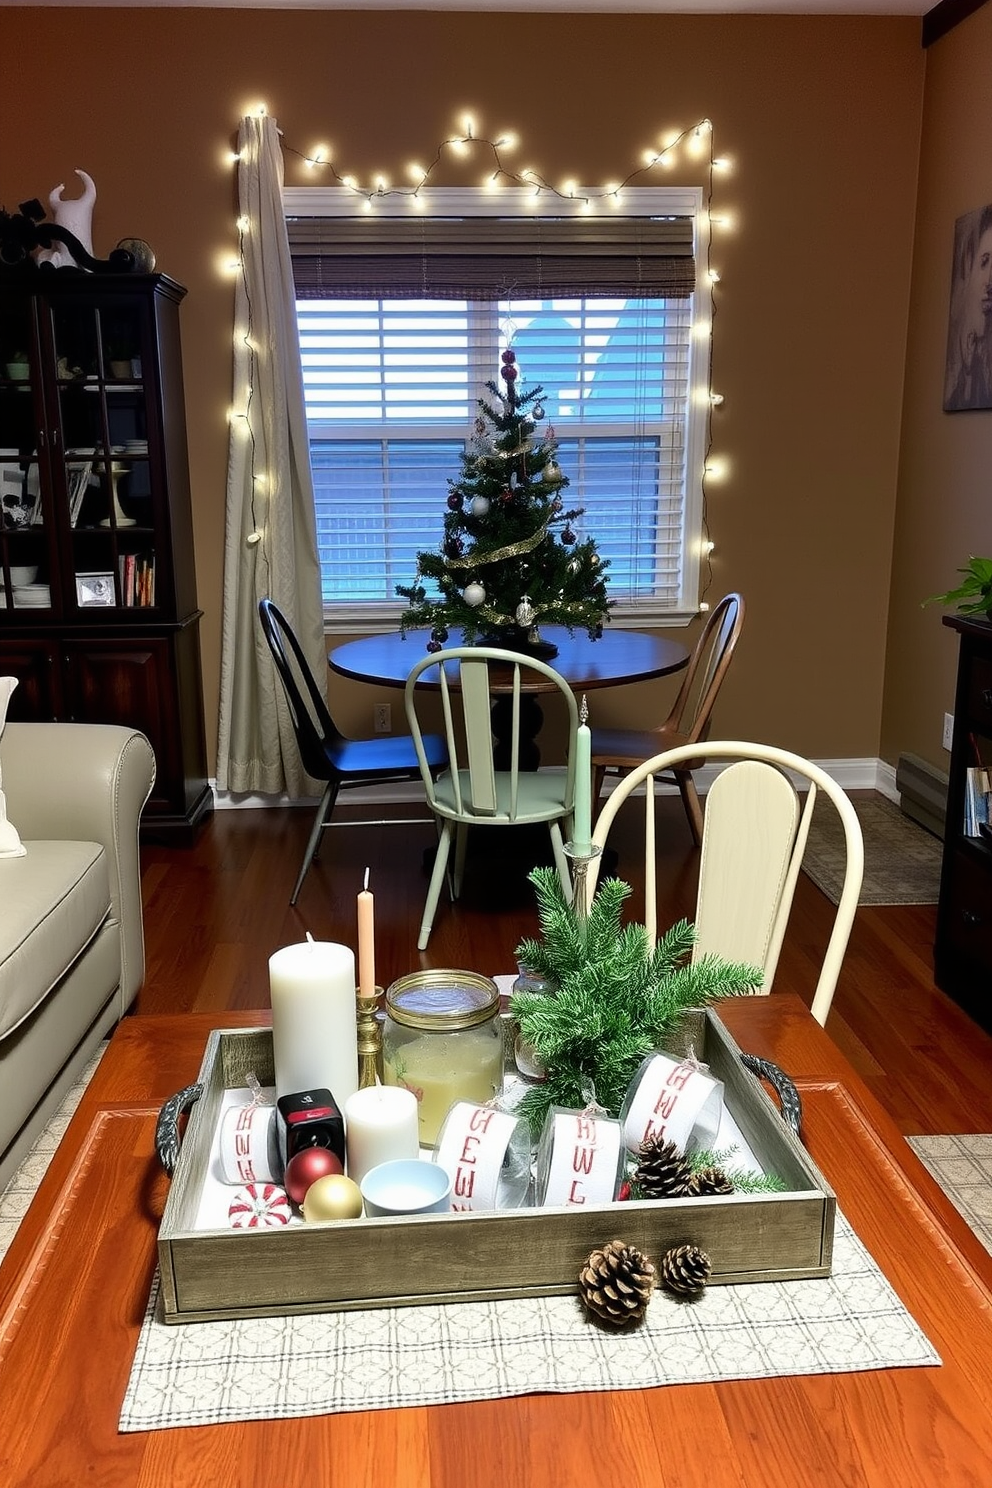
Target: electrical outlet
(382,718)
(948,734)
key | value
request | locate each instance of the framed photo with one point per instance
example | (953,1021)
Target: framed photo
(968,366)
(95,589)
(15,504)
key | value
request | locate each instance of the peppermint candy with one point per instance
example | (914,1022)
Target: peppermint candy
(259,1206)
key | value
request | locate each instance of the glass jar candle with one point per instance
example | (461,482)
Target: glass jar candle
(443,1040)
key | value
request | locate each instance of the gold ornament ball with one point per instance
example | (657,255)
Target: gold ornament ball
(332,1197)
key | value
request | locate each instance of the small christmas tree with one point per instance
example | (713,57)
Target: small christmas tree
(510,557)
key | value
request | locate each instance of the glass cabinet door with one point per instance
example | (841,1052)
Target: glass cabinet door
(24,557)
(103,469)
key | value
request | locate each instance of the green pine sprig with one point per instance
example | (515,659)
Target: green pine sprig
(616,999)
(743,1179)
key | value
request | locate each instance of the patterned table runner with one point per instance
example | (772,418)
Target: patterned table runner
(204,1374)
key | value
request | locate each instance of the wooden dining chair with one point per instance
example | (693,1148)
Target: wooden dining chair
(327,754)
(615,751)
(755,830)
(472,791)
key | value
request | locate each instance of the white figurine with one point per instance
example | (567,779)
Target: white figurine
(76,215)
(11,845)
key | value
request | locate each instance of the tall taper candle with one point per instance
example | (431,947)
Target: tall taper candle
(314,1033)
(581,812)
(366,941)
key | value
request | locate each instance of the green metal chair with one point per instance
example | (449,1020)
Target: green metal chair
(472,791)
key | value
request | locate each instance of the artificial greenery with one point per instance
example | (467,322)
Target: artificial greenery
(743,1179)
(974,596)
(616,999)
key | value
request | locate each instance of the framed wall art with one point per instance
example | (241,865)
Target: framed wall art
(968,368)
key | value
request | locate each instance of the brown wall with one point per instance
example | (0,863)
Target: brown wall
(821,116)
(944,511)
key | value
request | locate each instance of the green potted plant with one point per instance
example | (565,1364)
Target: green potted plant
(119,358)
(974,595)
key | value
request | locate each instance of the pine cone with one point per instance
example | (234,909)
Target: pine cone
(662,1171)
(685,1270)
(616,1284)
(709,1181)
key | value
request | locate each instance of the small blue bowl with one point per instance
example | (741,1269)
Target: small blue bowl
(408,1185)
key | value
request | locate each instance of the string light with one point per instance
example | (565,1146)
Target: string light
(696,140)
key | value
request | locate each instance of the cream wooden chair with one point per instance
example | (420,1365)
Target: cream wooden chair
(754,836)
(472,791)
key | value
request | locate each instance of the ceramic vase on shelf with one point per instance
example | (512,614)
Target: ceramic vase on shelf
(120,520)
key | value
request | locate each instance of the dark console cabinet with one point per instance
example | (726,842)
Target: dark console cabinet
(98,612)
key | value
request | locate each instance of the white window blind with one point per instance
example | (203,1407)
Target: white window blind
(391,384)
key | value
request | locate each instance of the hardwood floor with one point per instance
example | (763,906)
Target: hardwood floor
(214,913)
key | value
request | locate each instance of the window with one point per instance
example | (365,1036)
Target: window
(392,377)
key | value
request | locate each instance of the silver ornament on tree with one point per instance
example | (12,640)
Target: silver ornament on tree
(551,471)
(524,612)
(474,595)
(480,506)
(538,412)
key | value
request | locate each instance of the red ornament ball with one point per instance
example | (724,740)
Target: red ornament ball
(509,357)
(305,1167)
(454,502)
(508,373)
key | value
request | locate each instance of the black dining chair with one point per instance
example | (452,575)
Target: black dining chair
(326,753)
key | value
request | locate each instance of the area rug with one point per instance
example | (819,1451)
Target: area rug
(963,1168)
(902,859)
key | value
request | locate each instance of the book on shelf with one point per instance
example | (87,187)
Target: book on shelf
(80,477)
(977,785)
(137,575)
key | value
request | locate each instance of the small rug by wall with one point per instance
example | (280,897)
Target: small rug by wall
(963,1168)
(902,859)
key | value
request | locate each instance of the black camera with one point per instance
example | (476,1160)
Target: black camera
(309,1119)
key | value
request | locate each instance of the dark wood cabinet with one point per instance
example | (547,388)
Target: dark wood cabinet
(963,945)
(98,613)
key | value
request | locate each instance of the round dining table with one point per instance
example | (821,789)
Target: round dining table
(618,657)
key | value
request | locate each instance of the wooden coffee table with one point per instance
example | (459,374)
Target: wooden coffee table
(75,1282)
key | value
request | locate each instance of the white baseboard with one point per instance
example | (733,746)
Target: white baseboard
(850,774)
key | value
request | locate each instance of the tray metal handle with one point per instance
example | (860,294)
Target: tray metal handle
(167,1138)
(789,1099)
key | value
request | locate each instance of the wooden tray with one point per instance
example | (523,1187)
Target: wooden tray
(341,1265)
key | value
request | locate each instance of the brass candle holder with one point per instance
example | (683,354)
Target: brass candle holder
(369,1038)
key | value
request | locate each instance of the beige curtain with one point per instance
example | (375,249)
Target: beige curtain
(271,533)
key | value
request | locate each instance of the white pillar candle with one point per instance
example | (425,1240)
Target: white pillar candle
(314,1033)
(381,1125)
